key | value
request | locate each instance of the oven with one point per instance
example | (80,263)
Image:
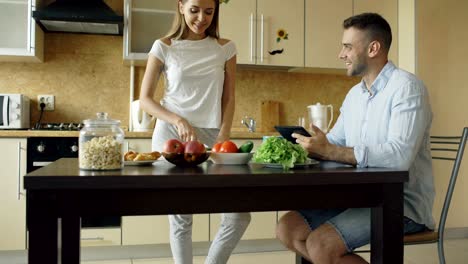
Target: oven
(42,151)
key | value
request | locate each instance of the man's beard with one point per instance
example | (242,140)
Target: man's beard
(358,70)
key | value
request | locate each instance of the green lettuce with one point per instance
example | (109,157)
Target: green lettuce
(279,150)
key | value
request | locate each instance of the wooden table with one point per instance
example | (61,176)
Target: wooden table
(61,190)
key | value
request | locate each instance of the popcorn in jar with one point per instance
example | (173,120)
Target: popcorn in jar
(100,144)
(101,153)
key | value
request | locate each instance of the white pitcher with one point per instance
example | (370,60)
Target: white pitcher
(318,115)
(141,120)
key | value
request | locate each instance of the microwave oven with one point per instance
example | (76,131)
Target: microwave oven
(14,111)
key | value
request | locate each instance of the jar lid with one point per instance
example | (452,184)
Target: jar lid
(101,120)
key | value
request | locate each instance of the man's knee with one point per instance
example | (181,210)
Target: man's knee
(287,227)
(325,245)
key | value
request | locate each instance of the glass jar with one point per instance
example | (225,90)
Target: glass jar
(100,144)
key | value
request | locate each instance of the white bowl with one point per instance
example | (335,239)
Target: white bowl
(230,158)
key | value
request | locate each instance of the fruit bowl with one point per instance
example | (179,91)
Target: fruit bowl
(186,159)
(230,158)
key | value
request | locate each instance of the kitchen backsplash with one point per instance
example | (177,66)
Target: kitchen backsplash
(85,73)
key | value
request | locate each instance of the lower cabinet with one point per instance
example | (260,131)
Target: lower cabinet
(138,144)
(101,237)
(12,198)
(141,230)
(262,226)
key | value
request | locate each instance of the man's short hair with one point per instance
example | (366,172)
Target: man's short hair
(376,26)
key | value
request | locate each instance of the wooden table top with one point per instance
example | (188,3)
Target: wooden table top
(65,174)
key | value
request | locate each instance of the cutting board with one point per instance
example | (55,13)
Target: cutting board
(269,116)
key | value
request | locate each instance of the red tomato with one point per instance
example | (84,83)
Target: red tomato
(217,147)
(228,147)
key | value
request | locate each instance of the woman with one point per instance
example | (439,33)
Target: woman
(198,104)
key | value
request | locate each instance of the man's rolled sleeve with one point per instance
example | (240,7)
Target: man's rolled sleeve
(361,153)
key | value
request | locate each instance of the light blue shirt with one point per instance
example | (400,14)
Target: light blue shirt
(390,127)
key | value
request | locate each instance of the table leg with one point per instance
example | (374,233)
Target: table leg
(42,247)
(387,227)
(71,239)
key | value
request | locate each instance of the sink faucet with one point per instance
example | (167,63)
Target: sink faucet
(249,123)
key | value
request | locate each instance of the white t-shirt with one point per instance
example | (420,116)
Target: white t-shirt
(194,71)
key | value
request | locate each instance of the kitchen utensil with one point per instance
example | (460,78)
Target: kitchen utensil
(186,159)
(318,115)
(141,120)
(230,158)
(269,115)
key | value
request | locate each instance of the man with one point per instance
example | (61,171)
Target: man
(384,122)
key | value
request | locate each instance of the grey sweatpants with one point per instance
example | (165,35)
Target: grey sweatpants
(232,227)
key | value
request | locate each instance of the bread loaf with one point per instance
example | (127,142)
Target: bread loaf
(135,156)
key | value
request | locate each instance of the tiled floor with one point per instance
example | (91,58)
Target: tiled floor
(456,251)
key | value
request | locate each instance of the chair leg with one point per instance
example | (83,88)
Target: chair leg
(440,247)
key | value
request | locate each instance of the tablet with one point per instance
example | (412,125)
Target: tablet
(286,132)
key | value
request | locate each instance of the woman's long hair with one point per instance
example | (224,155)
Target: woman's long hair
(179,26)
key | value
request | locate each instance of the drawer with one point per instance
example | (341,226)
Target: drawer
(101,237)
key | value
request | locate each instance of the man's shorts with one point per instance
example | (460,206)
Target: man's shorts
(353,224)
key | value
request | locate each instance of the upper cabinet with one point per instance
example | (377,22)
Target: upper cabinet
(265,31)
(324,32)
(389,10)
(144,22)
(324,28)
(21,39)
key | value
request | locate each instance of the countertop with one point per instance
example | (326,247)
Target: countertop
(235,134)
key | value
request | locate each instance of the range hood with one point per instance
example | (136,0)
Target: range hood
(79,16)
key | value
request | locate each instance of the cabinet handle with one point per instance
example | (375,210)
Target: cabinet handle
(30,23)
(127,29)
(92,238)
(19,193)
(251,37)
(261,37)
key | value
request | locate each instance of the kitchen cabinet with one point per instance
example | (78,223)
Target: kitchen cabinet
(12,198)
(138,144)
(144,22)
(324,28)
(22,39)
(389,10)
(266,32)
(262,226)
(140,230)
(92,237)
(324,31)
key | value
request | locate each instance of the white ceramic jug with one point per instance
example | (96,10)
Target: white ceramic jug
(141,120)
(318,115)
